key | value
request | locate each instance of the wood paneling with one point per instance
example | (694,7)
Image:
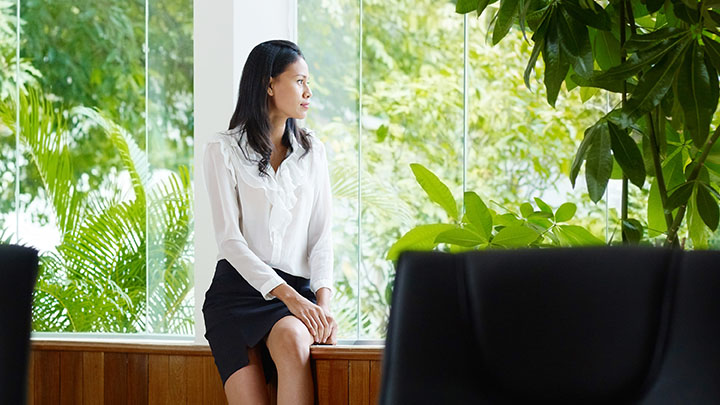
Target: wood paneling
(93,378)
(212,384)
(195,379)
(375,378)
(112,373)
(138,378)
(115,378)
(359,382)
(158,385)
(332,381)
(47,378)
(177,379)
(71,377)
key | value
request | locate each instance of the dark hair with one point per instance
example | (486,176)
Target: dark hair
(266,60)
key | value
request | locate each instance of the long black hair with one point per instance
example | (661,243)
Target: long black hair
(266,60)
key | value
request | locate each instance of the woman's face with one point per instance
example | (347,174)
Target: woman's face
(289,93)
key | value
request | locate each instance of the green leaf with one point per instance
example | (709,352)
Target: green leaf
(637,62)
(381,133)
(507,219)
(606,49)
(576,44)
(573,235)
(595,16)
(482,5)
(539,44)
(556,67)
(712,49)
(613,85)
(697,229)
(627,154)
(466,6)
(707,207)
(696,97)
(599,164)
(653,85)
(565,212)
(419,238)
(633,230)
(504,19)
(435,189)
(543,206)
(680,196)
(655,213)
(642,42)
(526,209)
(478,214)
(590,134)
(460,237)
(515,236)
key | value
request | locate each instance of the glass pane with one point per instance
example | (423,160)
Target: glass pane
(8,89)
(412,113)
(520,147)
(84,163)
(328,36)
(170,151)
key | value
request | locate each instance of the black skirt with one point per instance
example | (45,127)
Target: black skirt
(237,318)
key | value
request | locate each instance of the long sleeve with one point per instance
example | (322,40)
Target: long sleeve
(226,217)
(320,247)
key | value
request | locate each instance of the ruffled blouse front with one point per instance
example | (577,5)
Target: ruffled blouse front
(281,220)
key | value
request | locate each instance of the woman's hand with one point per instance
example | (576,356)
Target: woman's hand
(331,338)
(323,298)
(315,318)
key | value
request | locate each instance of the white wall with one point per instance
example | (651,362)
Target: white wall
(224,34)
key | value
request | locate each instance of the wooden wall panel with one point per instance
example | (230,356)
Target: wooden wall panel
(71,377)
(212,384)
(115,379)
(47,378)
(158,381)
(113,373)
(177,379)
(194,375)
(93,378)
(137,378)
(359,382)
(31,379)
(375,379)
(332,382)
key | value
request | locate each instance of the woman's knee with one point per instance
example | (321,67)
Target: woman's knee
(289,341)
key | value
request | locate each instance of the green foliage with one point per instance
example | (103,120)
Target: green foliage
(95,280)
(541,227)
(665,65)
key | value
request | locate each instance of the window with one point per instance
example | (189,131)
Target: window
(101,181)
(389,90)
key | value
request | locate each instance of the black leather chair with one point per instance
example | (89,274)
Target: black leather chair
(601,325)
(18,272)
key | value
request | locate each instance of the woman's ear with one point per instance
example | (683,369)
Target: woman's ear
(269,89)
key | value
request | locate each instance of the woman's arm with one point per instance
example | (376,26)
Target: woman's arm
(320,246)
(226,216)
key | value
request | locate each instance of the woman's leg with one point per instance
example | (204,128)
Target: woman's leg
(289,345)
(247,385)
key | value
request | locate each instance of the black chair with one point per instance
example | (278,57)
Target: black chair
(18,272)
(564,326)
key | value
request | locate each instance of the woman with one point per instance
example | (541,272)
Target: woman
(269,191)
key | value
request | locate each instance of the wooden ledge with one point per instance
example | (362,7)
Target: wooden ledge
(321,352)
(362,352)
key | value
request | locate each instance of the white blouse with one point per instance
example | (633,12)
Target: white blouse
(281,220)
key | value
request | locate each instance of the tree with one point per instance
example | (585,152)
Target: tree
(663,59)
